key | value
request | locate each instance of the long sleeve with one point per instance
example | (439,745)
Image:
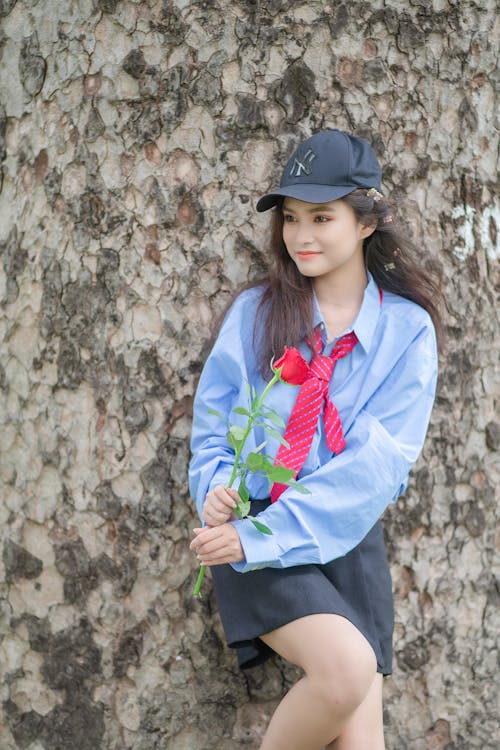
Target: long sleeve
(229,366)
(349,492)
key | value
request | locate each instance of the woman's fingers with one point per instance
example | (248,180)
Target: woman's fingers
(219,504)
(213,545)
(223,497)
(217,545)
(213,517)
(216,519)
(221,556)
(207,536)
(207,533)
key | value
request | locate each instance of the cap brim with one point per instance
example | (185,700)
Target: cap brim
(304,192)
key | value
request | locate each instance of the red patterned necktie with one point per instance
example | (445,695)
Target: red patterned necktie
(313,394)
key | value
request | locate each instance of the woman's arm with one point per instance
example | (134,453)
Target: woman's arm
(227,369)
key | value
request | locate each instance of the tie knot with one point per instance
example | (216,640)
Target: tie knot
(341,348)
(321,367)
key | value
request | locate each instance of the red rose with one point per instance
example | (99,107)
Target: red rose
(293,367)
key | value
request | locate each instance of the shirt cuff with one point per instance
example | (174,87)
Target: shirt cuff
(261,550)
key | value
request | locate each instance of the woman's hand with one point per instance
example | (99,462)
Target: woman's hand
(219,505)
(217,545)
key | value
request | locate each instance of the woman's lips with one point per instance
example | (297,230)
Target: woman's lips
(305,256)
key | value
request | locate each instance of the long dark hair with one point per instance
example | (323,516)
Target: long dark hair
(285,311)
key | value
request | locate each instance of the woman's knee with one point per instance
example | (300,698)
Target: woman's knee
(337,659)
(342,687)
(346,667)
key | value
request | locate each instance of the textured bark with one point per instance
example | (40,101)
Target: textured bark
(134,140)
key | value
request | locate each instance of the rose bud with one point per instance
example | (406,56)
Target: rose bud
(293,367)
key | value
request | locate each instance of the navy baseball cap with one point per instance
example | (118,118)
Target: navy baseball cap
(325,167)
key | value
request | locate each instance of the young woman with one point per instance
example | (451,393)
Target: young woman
(345,288)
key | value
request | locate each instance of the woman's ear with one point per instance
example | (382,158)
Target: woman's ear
(366,231)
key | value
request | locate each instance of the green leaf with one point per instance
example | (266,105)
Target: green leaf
(260,526)
(298,486)
(276,435)
(236,436)
(242,508)
(256,462)
(274,417)
(280,474)
(241,410)
(216,414)
(243,491)
(237,432)
(255,397)
(233,442)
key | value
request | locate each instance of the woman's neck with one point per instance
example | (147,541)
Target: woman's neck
(339,300)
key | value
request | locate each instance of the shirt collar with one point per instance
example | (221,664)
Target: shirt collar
(366,319)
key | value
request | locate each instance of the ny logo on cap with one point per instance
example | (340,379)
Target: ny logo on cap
(303,166)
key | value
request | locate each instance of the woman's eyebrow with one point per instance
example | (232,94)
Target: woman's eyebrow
(321,207)
(314,208)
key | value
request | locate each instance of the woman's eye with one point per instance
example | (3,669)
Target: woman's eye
(321,219)
(288,218)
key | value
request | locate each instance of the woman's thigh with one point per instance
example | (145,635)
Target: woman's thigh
(327,647)
(364,728)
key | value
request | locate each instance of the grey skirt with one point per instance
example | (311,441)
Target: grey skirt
(357,586)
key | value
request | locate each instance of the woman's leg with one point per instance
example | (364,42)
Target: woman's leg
(339,666)
(364,730)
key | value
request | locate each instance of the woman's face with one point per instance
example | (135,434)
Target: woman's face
(324,240)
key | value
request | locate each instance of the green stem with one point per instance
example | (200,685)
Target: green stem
(199,581)
(253,416)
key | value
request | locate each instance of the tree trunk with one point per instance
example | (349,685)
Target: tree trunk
(135,138)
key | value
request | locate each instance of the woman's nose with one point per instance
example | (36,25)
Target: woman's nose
(304,234)
(299,232)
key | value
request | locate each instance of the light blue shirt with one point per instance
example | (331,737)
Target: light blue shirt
(384,392)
